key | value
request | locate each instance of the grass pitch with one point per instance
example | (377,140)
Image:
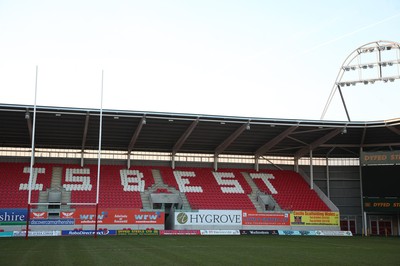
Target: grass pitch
(200,250)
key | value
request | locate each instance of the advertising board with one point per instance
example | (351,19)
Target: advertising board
(179,232)
(13,216)
(36,233)
(38,215)
(314,218)
(137,232)
(104,232)
(259,232)
(52,222)
(209,217)
(251,217)
(114,216)
(220,232)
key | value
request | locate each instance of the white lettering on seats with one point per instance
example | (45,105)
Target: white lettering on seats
(265,178)
(181,178)
(35,172)
(130,177)
(228,185)
(80,176)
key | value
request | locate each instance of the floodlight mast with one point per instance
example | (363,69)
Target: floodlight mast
(350,63)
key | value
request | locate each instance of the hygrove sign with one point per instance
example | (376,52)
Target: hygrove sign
(209,217)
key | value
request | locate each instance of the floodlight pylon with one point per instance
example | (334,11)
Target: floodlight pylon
(353,62)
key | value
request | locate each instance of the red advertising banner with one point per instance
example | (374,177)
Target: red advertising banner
(148,217)
(38,215)
(251,217)
(114,216)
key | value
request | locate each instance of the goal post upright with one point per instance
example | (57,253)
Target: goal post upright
(32,159)
(99,156)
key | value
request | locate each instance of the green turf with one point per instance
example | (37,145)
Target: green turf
(200,250)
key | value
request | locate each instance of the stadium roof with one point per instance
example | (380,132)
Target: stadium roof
(78,128)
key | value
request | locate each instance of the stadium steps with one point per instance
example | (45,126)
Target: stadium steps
(56,177)
(254,192)
(159,184)
(43,198)
(65,198)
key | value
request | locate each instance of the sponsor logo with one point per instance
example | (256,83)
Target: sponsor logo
(67,214)
(120,218)
(254,218)
(137,232)
(297,233)
(210,217)
(259,232)
(182,218)
(297,220)
(39,214)
(333,233)
(90,218)
(13,215)
(37,233)
(52,222)
(147,217)
(88,232)
(179,232)
(220,232)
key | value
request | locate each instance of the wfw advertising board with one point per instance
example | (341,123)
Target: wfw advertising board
(113,216)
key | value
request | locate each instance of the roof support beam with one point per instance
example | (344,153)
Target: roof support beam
(395,130)
(178,145)
(317,143)
(84,137)
(364,133)
(270,144)
(228,141)
(136,134)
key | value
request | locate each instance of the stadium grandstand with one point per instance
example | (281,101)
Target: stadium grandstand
(72,171)
(276,174)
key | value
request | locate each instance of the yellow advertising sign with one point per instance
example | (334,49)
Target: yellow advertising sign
(314,218)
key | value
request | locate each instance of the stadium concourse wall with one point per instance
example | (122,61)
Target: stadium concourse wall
(343,187)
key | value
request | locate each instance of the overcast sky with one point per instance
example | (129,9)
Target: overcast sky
(271,59)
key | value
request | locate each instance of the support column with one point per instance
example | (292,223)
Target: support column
(128,161)
(215,162)
(82,159)
(311,171)
(364,216)
(328,190)
(173,161)
(296,165)
(365,224)
(256,160)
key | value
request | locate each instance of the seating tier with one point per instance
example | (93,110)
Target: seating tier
(14,179)
(206,189)
(121,187)
(290,190)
